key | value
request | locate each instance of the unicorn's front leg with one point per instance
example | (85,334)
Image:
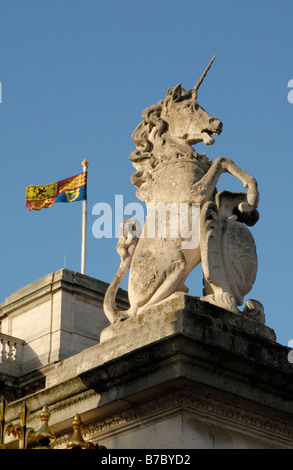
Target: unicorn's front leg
(204,188)
(248,181)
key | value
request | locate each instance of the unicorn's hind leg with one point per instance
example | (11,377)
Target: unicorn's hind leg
(171,284)
(150,286)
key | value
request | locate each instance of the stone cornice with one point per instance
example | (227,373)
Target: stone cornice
(274,432)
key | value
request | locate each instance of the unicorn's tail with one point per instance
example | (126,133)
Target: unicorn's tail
(129,233)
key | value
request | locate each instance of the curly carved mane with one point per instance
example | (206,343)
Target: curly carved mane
(154,145)
(146,136)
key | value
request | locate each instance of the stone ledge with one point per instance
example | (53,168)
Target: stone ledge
(192,305)
(184,335)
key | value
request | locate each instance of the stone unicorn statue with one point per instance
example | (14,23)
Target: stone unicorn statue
(171,175)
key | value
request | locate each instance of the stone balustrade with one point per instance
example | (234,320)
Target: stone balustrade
(11,353)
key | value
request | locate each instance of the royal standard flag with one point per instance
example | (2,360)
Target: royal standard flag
(68,190)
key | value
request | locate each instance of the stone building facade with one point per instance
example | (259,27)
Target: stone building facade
(181,375)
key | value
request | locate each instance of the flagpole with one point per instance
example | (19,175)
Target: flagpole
(85,165)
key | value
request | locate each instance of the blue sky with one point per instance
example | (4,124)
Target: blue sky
(75,77)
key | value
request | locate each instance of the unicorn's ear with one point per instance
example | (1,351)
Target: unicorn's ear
(176,93)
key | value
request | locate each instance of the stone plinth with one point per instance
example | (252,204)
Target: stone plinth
(183,374)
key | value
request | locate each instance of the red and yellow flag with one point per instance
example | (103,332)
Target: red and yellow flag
(68,190)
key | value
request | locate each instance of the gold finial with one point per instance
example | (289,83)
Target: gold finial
(77,441)
(85,163)
(44,435)
(23,432)
(5,428)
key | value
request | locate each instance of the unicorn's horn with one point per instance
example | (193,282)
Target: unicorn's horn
(199,82)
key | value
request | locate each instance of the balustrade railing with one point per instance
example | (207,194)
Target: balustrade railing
(10,354)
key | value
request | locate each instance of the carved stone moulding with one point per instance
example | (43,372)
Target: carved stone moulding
(203,413)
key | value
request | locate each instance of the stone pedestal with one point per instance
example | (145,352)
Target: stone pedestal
(183,374)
